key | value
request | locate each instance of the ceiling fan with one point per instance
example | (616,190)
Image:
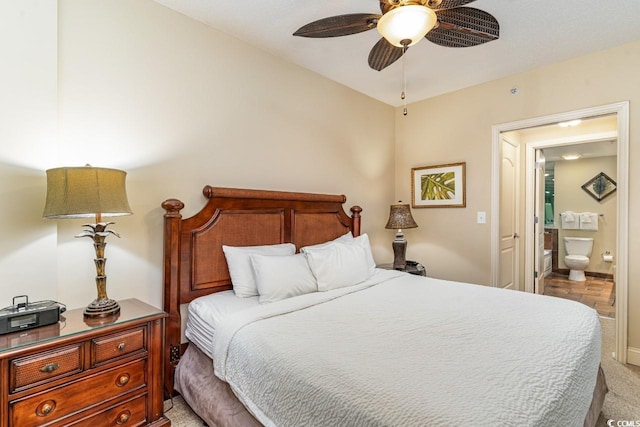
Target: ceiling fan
(403,23)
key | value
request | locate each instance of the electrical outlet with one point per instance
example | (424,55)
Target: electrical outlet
(482,217)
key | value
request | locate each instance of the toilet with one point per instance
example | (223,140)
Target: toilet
(577,259)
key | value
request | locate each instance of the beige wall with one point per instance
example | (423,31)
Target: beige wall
(28,76)
(457,127)
(177,105)
(570,176)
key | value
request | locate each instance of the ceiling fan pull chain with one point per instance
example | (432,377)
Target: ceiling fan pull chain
(403,95)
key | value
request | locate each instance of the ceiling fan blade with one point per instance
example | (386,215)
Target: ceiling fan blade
(464,27)
(341,25)
(447,4)
(384,54)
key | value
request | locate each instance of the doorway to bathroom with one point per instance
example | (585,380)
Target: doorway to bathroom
(579,225)
(531,260)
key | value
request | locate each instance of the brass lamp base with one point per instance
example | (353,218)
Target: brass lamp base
(104,308)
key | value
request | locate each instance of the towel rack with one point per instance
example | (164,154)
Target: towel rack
(578,213)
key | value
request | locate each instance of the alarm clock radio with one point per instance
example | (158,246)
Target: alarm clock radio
(26,315)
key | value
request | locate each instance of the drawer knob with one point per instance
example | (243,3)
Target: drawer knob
(123,417)
(49,368)
(122,346)
(122,380)
(45,408)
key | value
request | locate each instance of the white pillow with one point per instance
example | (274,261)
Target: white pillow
(345,238)
(240,269)
(362,240)
(280,277)
(339,265)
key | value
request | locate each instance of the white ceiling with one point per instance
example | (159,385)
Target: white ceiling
(532,33)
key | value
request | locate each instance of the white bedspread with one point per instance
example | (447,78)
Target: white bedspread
(207,311)
(404,350)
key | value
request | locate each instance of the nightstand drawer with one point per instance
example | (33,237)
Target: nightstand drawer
(112,347)
(47,407)
(46,366)
(131,413)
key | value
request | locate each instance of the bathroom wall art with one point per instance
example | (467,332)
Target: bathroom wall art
(600,186)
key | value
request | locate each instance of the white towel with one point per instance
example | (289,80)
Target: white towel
(589,221)
(569,221)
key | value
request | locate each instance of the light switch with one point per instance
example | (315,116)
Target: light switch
(482,217)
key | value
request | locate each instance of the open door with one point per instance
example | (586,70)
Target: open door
(509,237)
(538,221)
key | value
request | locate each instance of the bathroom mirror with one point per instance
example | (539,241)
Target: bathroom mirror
(549,193)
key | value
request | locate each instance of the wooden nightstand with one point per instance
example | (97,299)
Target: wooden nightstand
(411,267)
(81,374)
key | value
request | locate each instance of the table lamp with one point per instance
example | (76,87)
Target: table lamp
(399,218)
(87,192)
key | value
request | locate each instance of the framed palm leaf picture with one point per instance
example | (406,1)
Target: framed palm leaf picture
(441,186)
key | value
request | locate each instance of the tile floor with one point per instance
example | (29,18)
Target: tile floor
(597,293)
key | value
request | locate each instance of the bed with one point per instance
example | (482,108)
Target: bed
(393,349)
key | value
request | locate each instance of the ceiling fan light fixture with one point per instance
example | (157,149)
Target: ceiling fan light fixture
(410,22)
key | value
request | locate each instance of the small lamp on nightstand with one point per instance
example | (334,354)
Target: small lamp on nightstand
(87,192)
(399,218)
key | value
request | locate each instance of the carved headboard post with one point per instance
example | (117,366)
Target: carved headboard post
(355,218)
(172,232)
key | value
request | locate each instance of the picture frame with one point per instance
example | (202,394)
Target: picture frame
(439,186)
(600,186)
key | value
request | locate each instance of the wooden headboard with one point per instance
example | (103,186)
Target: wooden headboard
(194,264)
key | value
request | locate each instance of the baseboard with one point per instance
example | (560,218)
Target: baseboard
(633,356)
(565,272)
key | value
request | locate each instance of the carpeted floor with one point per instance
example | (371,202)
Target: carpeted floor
(621,404)
(180,414)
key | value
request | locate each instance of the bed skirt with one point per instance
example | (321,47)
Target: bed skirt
(207,395)
(214,402)
(599,392)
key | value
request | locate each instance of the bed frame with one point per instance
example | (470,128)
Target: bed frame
(194,264)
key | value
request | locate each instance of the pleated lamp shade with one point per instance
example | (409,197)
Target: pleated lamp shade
(83,192)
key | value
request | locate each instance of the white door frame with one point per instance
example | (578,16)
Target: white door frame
(621,109)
